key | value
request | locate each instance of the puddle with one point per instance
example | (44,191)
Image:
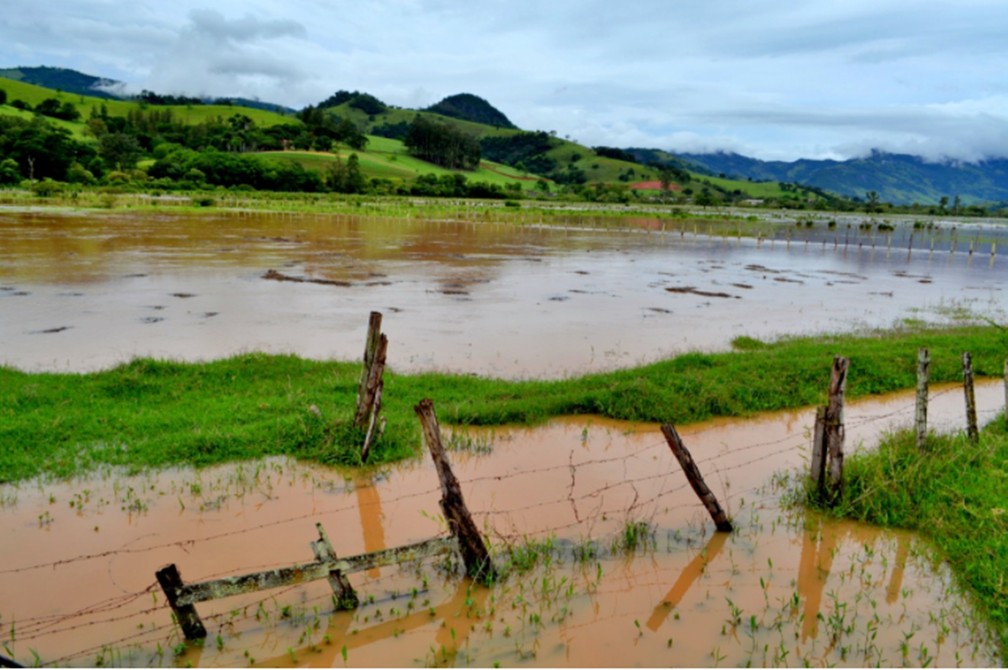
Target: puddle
(487,298)
(634,576)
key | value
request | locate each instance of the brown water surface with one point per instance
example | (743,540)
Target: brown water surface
(787,588)
(87,291)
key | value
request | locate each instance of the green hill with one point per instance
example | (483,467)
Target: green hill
(513,159)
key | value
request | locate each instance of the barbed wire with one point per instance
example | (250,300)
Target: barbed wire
(46,625)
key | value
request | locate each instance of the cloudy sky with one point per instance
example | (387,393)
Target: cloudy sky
(775,79)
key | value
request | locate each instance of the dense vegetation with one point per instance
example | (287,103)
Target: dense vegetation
(113,143)
(442,144)
(472,108)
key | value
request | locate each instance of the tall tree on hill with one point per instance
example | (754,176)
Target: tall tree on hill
(442,144)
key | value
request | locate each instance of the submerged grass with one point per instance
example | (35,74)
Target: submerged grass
(153,413)
(953,493)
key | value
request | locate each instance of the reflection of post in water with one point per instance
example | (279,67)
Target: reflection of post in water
(459,614)
(899,566)
(818,547)
(690,574)
(369,507)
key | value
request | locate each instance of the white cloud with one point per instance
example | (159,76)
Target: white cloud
(774,79)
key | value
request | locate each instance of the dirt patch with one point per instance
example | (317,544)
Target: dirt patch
(692,290)
(279,276)
(653,186)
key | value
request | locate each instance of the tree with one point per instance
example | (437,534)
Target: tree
(873,204)
(3,97)
(665,177)
(442,144)
(120,150)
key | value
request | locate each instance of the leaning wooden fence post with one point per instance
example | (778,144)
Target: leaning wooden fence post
(835,430)
(818,473)
(971,417)
(920,409)
(171,581)
(689,467)
(474,551)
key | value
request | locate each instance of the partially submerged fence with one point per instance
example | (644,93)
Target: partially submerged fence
(829,433)
(182,597)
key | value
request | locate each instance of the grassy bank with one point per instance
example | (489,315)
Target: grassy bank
(954,494)
(150,413)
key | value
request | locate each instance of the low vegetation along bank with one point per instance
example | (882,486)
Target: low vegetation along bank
(953,493)
(152,413)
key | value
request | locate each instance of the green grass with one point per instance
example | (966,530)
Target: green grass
(955,494)
(150,413)
(385,158)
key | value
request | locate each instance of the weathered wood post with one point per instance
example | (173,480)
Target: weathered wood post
(835,430)
(689,467)
(971,416)
(346,597)
(474,551)
(171,582)
(920,408)
(818,471)
(369,388)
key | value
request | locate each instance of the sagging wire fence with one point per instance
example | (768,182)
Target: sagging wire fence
(649,491)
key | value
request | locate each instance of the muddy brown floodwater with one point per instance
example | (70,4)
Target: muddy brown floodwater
(87,291)
(609,559)
(627,571)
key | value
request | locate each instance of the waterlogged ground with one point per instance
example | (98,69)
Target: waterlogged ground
(609,559)
(87,291)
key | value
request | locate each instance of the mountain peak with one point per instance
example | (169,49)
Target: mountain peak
(469,107)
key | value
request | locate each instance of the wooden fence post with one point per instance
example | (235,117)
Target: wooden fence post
(920,409)
(835,430)
(685,459)
(474,551)
(369,388)
(346,597)
(971,416)
(171,581)
(971,400)
(818,473)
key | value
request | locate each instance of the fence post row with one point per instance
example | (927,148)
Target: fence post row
(971,416)
(474,551)
(689,467)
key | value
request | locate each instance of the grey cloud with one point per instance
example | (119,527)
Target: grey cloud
(213,24)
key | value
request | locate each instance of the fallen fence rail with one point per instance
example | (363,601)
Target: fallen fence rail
(182,597)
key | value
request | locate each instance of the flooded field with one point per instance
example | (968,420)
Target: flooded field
(609,558)
(82,292)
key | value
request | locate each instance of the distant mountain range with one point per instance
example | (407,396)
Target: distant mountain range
(896,178)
